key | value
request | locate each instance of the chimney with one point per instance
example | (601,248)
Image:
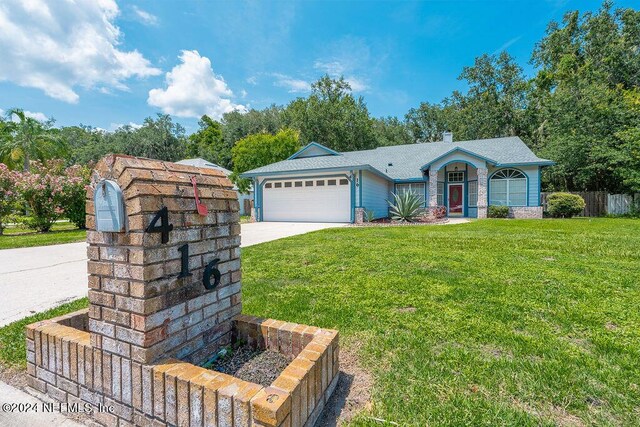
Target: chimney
(447,136)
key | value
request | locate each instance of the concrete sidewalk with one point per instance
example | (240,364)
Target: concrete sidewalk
(39,278)
(31,413)
(36,279)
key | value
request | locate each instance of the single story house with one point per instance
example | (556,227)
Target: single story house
(245,199)
(318,184)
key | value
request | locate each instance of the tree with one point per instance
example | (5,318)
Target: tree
(332,117)
(493,106)
(427,122)
(86,144)
(391,131)
(589,69)
(160,139)
(262,149)
(208,143)
(495,102)
(28,139)
(237,125)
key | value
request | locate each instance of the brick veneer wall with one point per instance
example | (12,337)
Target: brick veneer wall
(531,212)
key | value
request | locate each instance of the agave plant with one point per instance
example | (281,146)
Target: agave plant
(406,207)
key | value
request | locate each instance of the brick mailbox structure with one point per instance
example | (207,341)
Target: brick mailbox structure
(164,296)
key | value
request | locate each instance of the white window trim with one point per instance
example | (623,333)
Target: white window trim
(472,203)
(508,181)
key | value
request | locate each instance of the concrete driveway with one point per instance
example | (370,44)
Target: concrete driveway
(36,279)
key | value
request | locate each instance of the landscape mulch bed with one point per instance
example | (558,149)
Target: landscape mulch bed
(390,223)
(253,365)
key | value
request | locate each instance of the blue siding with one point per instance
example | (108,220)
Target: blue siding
(375,193)
(533,173)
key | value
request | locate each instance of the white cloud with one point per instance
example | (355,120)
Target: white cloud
(253,80)
(145,17)
(331,67)
(243,94)
(351,58)
(193,90)
(116,126)
(57,46)
(337,69)
(38,116)
(506,45)
(41,117)
(292,84)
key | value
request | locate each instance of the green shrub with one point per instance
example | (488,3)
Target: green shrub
(564,205)
(369,215)
(406,207)
(496,211)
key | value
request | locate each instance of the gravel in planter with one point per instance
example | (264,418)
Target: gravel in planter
(253,365)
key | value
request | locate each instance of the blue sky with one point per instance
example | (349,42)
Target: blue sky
(109,63)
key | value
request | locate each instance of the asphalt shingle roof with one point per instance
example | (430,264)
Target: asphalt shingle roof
(407,160)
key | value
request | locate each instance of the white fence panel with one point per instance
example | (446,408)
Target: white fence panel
(620,204)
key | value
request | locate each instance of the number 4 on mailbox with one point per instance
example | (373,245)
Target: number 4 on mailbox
(210,270)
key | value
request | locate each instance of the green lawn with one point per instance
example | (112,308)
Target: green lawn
(12,339)
(497,322)
(61,232)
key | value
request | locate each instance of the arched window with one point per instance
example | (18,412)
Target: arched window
(508,187)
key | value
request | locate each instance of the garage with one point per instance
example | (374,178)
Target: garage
(307,200)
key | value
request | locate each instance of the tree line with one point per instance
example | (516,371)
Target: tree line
(580,109)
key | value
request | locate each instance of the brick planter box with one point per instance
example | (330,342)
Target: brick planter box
(62,363)
(164,295)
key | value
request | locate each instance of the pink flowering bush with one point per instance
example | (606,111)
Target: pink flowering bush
(49,192)
(74,193)
(8,194)
(41,193)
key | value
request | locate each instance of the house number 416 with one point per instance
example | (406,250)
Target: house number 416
(211,270)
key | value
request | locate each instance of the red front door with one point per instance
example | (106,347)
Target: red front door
(455,199)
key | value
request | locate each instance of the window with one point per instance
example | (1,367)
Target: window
(308,183)
(508,188)
(456,176)
(331,182)
(277,185)
(416,188)
(298,184)
(472,190)
(287,184)
(344,181)
(319,183)
(440,195)
(268,185)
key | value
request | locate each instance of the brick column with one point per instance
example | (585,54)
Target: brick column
(433,188)
(482,192)
(144,304)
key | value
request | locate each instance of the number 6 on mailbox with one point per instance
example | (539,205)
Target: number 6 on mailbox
(212,268)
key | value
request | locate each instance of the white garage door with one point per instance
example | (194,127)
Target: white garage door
(307,200)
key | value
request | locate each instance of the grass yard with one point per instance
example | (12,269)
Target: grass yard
(497,322)
(61,232)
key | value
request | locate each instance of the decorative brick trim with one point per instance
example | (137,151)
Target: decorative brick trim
(526,212)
